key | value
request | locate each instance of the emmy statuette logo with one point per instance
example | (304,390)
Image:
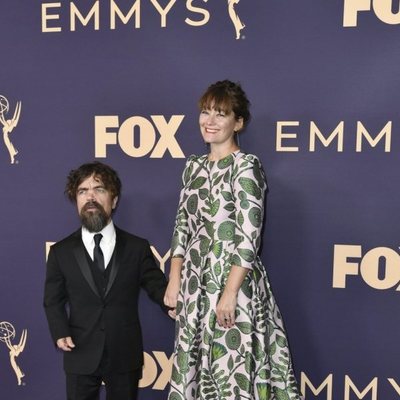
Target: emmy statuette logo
(7,335)
(8,125)
(237,23)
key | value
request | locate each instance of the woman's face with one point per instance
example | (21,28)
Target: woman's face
(217,127)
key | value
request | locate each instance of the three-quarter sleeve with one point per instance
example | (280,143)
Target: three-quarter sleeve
(248,186)
(181,229)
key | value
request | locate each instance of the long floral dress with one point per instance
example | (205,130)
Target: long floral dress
(218,225)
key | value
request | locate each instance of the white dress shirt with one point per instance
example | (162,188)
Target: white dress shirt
(107,243)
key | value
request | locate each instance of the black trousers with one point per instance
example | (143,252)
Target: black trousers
(118,386)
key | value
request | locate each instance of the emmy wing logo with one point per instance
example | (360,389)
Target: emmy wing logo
(7,336)
(9,125)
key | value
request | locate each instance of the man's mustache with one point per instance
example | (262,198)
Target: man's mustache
(91,204)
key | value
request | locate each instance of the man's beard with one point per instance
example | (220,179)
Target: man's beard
(94,221)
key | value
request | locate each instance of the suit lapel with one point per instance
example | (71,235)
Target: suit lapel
(115,264)
(80,255)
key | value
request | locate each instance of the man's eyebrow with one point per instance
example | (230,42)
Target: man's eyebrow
(94,187)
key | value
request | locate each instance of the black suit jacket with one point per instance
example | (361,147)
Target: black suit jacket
(75,308)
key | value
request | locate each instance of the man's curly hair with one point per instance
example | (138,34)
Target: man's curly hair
(103,172)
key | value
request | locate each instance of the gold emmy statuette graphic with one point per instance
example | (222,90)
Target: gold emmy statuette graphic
(9,125)
(237,23)
(233,15)
(7,334)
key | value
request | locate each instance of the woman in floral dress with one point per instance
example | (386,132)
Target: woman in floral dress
(230,340)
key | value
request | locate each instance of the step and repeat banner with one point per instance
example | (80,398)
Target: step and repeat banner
(118,81)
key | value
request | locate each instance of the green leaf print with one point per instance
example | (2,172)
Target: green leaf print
(195,257)
(264,391)
(284,361)
(217,180)
(244,327)
(281,394)
(225,162)
(217,268)
(229,207)
(191,307)
(264,374)
(214,207)
(203,193)
(218,351)
(209,225)
(227,176)
(192,202)
(226,230)
(255,216)
(249,363)
(176,376)
(211,287)
(233,339)
(235,260)
(179,306)
(242,195)
(244,204)
(198,182)
(237,240)
(230,363)
(207,337)
(272,349)
(232,216)
(240,218)
(246,289)
(182,360)
(205,304)
(282,342)
(204,246)
(175,396)
(218,333)
(258,174)
(212,320)
(227,196)
(193,284)
(250,187)
(217,249)
(246,254)
(242,382)
(175,240)
(207,277)
(258,349)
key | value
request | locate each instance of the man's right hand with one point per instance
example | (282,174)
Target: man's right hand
(65,344)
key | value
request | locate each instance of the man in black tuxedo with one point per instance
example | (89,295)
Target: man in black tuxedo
(91,291)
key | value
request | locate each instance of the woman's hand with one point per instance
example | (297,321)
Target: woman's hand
(171,293)
(174,285)
(226,308)
(171,296)
(172,313)
(65,344)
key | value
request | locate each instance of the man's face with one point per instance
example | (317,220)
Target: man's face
(94,203)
